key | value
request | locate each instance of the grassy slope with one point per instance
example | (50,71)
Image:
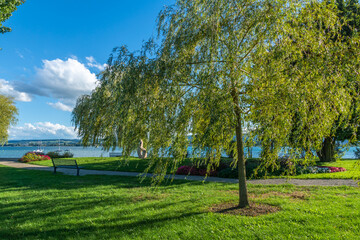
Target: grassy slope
(134,164)
(40,205)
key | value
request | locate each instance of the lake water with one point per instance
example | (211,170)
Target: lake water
(18,152)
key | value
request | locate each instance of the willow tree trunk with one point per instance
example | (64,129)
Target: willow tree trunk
(327,152)
(243,194)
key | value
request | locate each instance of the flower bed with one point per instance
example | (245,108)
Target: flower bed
(334,169)
(32,156)
(325,169)
(188,170)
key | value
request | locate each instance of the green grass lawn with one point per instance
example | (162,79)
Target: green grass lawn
(41,205)
(131,164)
(134,164)
(352,170)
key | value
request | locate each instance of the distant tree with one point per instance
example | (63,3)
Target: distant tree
(346,126)
(7,117)
(349,14)
(323,67)
(7,7)
(7,107)
(200,80)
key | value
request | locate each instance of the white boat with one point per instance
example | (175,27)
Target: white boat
(59,150)
(38,151)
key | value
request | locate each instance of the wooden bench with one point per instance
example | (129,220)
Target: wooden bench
(66,163)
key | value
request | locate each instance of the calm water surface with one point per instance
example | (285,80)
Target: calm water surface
(18,152)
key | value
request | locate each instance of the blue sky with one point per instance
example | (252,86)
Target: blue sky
(55,51)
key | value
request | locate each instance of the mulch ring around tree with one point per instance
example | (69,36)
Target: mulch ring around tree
(255,209)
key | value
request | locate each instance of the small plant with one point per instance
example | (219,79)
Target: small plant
(322,169)
(66,154)
(32,156)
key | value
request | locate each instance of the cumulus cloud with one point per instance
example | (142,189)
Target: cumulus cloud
(41,130)
(91,62)
(65,79)
(7,89)
(61,106)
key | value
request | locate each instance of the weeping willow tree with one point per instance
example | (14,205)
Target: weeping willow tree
(7,117)
(303,89)
(200,79)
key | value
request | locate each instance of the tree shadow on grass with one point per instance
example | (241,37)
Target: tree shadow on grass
(40,204)
(48,204)
(13,178)
(118,228)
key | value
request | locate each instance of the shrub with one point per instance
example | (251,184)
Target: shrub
(183,170)
(334,169)
(322,169)
(228,173)
(67,155)
(60,155)
(53,154)
(32,156)
(188,170)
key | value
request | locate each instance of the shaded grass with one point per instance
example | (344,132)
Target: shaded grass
(41,205)
(130,164)
(133,164)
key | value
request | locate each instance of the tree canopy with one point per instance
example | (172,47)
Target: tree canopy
(7,107)
(321,101)
(212,70)
(7,7)
(7,117)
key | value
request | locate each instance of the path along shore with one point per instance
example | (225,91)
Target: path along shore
(10,162)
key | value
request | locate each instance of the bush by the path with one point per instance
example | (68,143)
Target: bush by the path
(226,170)
(32,156)
(66,154)
(188,170)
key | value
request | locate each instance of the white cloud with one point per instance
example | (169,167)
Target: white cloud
(41,130)
(8,90)
(61,106)
(93,63)
(65,79)
(62,80)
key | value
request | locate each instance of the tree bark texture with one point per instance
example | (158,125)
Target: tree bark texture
(243,194)
(327,152)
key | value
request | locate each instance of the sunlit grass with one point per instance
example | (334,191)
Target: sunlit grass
(41,205)
(352,170)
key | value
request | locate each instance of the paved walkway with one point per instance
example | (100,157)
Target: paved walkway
(299,182)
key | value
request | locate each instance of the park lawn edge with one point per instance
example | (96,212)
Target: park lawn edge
(133,164)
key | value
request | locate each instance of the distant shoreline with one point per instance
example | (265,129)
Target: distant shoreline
(45,143)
